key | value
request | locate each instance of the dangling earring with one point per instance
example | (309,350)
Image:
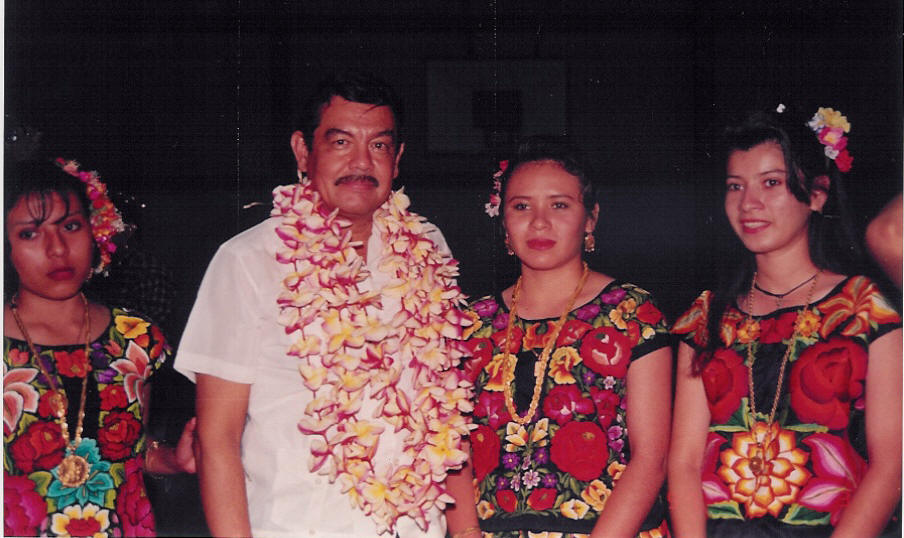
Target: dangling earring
(302,176)
(508,246)
(589,242)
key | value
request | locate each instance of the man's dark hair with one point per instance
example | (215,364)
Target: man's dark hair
(355,86)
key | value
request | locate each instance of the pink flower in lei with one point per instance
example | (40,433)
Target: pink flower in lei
(361,356)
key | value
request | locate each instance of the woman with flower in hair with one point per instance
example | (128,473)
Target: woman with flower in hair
(75,372)
(565,363)
(788,397)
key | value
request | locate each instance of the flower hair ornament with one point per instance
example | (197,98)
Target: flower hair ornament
(492,207)
(106,221)
(830,126)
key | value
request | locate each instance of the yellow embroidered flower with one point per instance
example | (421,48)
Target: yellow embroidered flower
(75,520)
(539,433)
(574,509)
(485,510)
(476,324)
(808,323)
(497,367)
(615,470)
(131,327)
(622,312)
(748,331)
(516,435)
(648,332)
(561,363)
(767,479)
(596,494)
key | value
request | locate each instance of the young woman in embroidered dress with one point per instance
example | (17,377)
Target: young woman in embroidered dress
(788,402)
(565,363)
(75,371)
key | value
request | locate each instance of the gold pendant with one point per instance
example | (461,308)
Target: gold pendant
(756,465)
(73,471)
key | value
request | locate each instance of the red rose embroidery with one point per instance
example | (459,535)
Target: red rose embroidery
(572,331)
(647,313)
(564,401)
(725,382)
(40,448)
(542,498)
(83,527)
(606,351)
(113,397)
(492,406)
(633,330)
(132,503)
(159,342)
(606,402)
(485,449)
(23,508)
(506,500)
(826,378)
(514,346)
(777,329)
(479,352)
(579,448)
(73,364)
(118,435)
(45,408)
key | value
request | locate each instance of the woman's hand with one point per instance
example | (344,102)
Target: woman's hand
(185,448)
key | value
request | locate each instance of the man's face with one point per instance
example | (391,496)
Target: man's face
(353,159)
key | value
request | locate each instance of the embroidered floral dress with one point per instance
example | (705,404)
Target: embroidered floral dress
(817,454)
(113,501)
(556,472)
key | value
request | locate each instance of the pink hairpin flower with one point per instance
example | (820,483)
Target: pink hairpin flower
(830,127)
(106,221)
(492,207)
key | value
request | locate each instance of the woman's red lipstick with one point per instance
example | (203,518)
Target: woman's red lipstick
(63,273)
(540,244)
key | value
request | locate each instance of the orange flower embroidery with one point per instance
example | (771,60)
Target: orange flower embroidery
(532,340)
(860,300)
(694,320)
(748,331)
(781,465)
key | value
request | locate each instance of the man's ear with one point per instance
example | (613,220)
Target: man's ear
(300,150)
(819,193)
(398,157)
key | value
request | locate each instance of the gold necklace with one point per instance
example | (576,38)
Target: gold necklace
(73,471)
(540,368)
(758,462)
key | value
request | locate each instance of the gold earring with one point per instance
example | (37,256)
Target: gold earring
(589,242)
(508,246)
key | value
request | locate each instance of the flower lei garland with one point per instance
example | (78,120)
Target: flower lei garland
(423,338)
(492,207)
(829,126)
(106,221)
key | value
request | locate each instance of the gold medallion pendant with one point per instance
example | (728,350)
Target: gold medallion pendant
(73,471)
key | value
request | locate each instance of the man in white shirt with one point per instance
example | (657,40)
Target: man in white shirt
(316,336)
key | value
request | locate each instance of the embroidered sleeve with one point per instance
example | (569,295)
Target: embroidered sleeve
(692,324)
(859,311)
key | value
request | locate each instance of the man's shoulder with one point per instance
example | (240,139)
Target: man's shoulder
(260,236)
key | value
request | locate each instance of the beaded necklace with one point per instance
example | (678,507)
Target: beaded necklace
(758,461)
(74,469)
(542,362)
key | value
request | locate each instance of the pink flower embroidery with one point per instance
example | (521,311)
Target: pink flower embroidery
(838,471)
(135,369)
(18,396)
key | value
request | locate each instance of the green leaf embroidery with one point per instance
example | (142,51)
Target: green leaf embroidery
(42,480)
(798,515)
(725,510)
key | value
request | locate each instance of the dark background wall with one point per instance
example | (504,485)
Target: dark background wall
(186,106)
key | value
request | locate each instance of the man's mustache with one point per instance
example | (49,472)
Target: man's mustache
(356,178)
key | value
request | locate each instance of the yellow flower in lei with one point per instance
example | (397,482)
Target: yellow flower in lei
(362,356)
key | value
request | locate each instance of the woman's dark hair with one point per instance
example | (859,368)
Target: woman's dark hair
(830,236)
(36,182)
(559,150)
(355,86)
